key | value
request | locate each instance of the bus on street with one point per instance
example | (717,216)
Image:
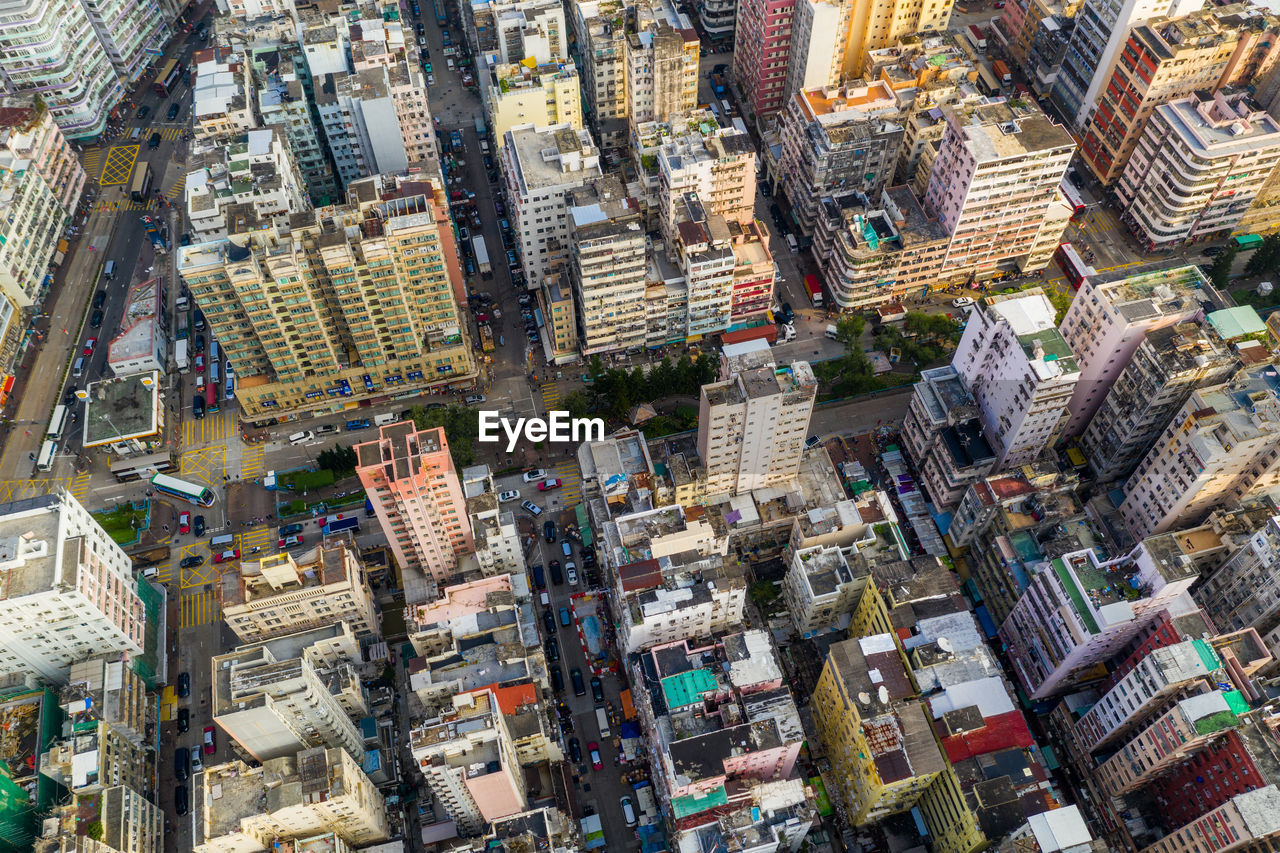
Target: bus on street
(169,78)
(57,423)
(189,492)
(45,460)
(1073,266)
(136,467)
(141,187)
(1073,198)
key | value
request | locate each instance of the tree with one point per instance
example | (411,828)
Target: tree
(578,404)
(95,830)
(341,460)
(1220,271)
(936,327)
(1265,259)
(461,426)
(849,331)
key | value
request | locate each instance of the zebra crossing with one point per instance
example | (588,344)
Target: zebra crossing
(570,491)
(176,191)
(127,204)
(197,609)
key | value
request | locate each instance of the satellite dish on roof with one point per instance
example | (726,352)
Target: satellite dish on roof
(864,697)
(884,695)
(945,644)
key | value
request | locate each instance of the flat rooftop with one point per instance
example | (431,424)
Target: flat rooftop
(122,408)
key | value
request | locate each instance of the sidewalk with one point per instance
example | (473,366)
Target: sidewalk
(38,380)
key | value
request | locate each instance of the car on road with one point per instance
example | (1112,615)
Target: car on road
(192,561)
(549,531)
(628,811)
(210,741)
(811,442)
(143,112)
(534,475)
(96,319)
(184,522)
(227,556)
(200,364)
(290,529)
(597,688)
(199,343)
(184,719)
(69,397)
(554,567)
(154,141)
(1212,251)
(431,79)
(197,407)
(572,574)
(99,299)
(575,750)
(196,764)
(553,649)
(557,678)
(498,208)
(575,675)
(184,684)
(509,495)
(548,485)
(180,798)
(89,346)
(174,110)
(962,302)
(593,749)
(566,619)
(358,423)
(531,508)
(426,67)
(1075,178)
(549,622)
(290,541)
(473,399)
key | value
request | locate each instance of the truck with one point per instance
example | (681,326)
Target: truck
(337,525)
(717,84)
(539,581)
(180,356)
(149,557)
(976,38)
(455,141)
(602,720)
(814,287)
(482,254)
(1003,74)
(486,338)
(156,231)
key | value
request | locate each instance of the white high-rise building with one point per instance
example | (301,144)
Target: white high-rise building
(1020,371)
(67,590)
(753,423)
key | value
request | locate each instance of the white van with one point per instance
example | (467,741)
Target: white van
(77,369)
(109,270)
(545,599)
(300,437)
(628,811)
(792,244)
(832,333)
(602,721)
(383,420)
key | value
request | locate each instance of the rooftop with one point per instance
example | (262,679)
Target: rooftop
(122,408)
(549,157)
(139,327)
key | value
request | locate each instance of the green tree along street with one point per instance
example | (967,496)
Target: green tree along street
(613,392)
(927,339)
(1265,259)
(1219,271)
(340,459)
(461,426)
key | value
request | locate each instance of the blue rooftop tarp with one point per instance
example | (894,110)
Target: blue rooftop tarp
(984,619)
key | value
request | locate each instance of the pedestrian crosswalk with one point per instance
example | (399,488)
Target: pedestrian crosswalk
(92,160)
(570,491)
(17,490)
(251,462)
(179,186)
(552,394)
(258,537)
(80,486)
(197,609)
(126,204)
(170,133)
(215,428)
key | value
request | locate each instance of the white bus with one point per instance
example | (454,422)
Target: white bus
(45,460)
(57,423)
(137,467)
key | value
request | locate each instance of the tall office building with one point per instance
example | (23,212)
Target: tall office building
(1101,30)
(993,182)
(607,267)
(355,301)
(1107,322)
(1199,165)
(753,423)
(69,591)
(818,42)
(1219,449)
(1020,371)
(409,477)
(78,55)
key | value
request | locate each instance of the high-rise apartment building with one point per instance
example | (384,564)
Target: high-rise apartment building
(409,477)
(1244,592)
(1167,366)
(602,46)
(41,181)
(702,250)
(303,690)
(1163,61)
(1075,613)
(1213,155)
(355,301)
(513,30)
(753,423)
(541,165)
(284,100)
(818,41)
(992,184)
(544,95)
(1109,319)
(662,64)
(69,590)
(279,595)
(718,165)
(1101,30)
(242,185)
(761,53)
(837,142)
(943,433)
(317,790)
(1219,449)
(79,55)
(1020,371)
(607,267)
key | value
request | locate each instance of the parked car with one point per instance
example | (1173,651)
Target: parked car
(575,750)
(474,399)
(575,675)
(1212,251)
(200,364)
(531,508)
(572,574)
(593,749)
(557,678)
(358,423)
(509,495)
(192,561)
(554,568)
(549,622)
(597,688)
(535,475)
(89,346)
(290,529)
(553,649)
(184,522)
(198,526)
(290,541)
(548,485)
(180,800)
(549,530)
(566,619)
(227,556)
(184,719)
(197,407)
(962,302)
(196,764)
(210,741)
(184,685)
(96,319)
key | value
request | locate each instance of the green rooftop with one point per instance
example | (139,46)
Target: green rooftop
(1236,701)
(1074,593)
(687,688)
(1055,348)
(1231,323)
(1215,722)
(691,804)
